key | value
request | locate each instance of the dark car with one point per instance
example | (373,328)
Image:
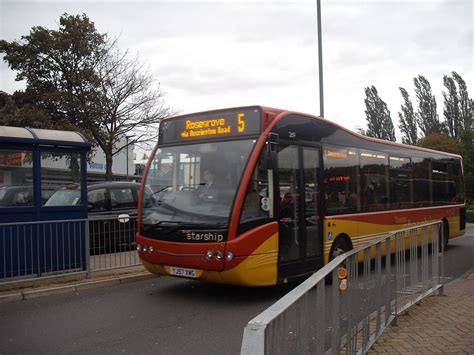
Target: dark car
(106,202)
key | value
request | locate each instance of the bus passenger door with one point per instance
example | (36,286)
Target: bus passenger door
(300,243)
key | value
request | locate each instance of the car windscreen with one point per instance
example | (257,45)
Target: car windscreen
(64,198)
(3,191)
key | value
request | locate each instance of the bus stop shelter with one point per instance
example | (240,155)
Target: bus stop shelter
(34,164)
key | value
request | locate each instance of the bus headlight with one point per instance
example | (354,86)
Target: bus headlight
(139,247)
(219,256)
(208,255)
(150,249)
(229,256)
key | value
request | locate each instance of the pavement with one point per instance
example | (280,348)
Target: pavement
(438,324)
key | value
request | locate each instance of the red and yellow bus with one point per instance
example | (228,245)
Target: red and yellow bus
(259,196)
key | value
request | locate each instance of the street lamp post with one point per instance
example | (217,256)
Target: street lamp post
(127,137)
(320,59)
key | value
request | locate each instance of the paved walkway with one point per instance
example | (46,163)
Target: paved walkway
(439,324)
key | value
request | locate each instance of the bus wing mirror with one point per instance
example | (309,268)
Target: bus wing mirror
(270,156)
(273,139)
(269,160)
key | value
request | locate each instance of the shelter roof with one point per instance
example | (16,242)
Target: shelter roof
(43,137)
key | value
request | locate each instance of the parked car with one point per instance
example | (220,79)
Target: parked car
(105,201)
(22,195)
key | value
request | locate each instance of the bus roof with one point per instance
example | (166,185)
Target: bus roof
(271,115)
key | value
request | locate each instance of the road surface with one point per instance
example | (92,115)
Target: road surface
(159,316)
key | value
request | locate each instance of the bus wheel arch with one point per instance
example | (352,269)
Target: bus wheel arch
(341,245)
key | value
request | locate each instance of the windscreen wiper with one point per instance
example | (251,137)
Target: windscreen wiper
(160,190)
(157,224)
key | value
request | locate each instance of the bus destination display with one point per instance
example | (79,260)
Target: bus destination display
(226,124)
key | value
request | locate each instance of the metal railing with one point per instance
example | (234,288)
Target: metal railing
(112,242)
(370,286)
(32,250)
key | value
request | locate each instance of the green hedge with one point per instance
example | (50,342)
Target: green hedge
(470,215)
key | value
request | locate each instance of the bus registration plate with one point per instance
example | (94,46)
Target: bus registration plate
(181,271)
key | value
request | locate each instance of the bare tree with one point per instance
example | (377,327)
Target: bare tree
(131,105)
(77,77)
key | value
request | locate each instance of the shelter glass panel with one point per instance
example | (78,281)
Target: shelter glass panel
(16,178)
(61,176)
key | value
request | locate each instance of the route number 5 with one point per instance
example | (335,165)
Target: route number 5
(241,122)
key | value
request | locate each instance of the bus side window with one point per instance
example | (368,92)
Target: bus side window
(457,177)
(255,204)
(400,183)
(421,182)
(341,179)
(374,181)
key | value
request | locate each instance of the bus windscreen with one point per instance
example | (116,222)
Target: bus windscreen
(218,124)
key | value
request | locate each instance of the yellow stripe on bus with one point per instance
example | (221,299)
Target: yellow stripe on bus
(258,269)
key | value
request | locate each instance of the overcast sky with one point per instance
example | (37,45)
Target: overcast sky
(216,54)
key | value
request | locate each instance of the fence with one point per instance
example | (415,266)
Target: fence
(55,248)
(371,285)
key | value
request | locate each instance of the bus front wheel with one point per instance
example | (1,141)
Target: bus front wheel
(339,247)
